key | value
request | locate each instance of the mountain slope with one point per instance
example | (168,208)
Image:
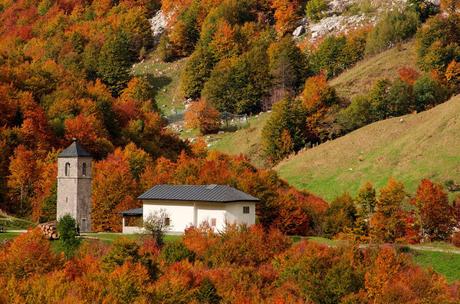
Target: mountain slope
(165,79)
(360,78)
(246,141)
(415,146)
(357,80)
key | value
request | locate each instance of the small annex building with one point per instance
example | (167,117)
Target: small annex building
(191,205)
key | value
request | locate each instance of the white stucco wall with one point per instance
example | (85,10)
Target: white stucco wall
(185,214)
(235,215)
(208,211)
(132,230)
(181,214)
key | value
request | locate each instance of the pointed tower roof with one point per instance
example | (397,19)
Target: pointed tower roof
(74,150)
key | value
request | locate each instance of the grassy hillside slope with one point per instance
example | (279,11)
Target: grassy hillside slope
(361,77)
(357,80)
(165,80)
(424,145)
(11,223)
(245,141)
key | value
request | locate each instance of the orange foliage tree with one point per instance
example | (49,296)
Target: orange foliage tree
(225,43)
(434,211)
(90,133)
(408,75)
(127,284)
(319,98)
(229,249)
(319,273)
(388,224)
(238,265)
(299,213)
(29,254)
(203,116)
(21,181)
(44,199)
(113,184)
(453,75)
(394,279)
(451,6)
(286,14)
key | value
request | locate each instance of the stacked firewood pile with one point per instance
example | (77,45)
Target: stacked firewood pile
(49,230)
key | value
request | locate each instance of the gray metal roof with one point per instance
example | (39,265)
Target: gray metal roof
(74,150)
(136,211)
(200,193)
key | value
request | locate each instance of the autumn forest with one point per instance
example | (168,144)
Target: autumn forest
(66,73)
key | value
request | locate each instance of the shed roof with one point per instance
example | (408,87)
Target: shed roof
(201,193)
(135,211)
(74,150)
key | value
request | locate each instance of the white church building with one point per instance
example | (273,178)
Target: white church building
(184,205)
(191,205)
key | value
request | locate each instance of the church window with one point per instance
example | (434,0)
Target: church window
(83,169)
(246,209)
(67,169)
(213,222)
(167,221)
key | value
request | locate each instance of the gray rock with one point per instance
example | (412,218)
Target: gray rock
(158,23)
(299,31)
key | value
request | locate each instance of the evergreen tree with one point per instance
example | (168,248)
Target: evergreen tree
(288,117)
(394,27)
(328,57)
(438,42)
(67,229)
(366,200)
(196,72)
(115,61)
(428,93)
(287,64)
(207,293)
(340,216)
(400,98)
(365,204)
(379,99)
(359,113)
(239,85)
(49,206)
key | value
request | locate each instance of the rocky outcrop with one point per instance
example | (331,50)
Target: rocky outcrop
(339,24)
(299,31)
(158,24)
(347,15)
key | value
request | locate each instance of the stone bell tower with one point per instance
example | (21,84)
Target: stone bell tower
(74,185)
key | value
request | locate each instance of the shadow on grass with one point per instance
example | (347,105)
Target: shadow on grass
(157,83)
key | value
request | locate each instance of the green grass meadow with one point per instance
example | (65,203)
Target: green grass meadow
(111,237)
(8,235)
(445,263)
(410,148)
(165,80)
